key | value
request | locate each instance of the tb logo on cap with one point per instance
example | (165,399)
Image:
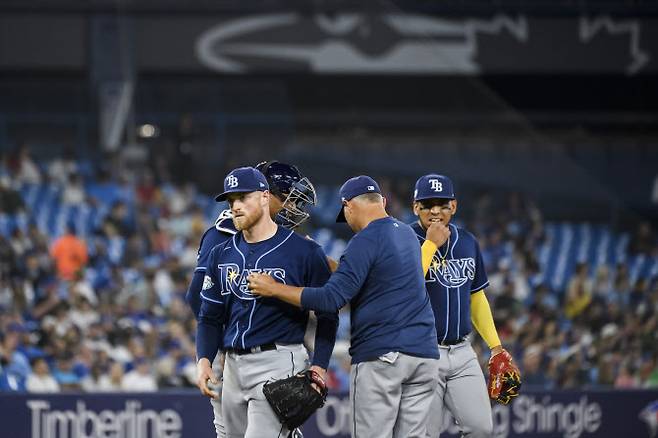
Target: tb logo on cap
(436,185)
(231,181)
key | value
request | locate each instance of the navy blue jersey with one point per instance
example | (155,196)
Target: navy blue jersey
(455,273)
(381,276)
(232,317)
(218,233)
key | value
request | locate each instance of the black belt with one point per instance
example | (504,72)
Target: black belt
(449,342)
(256,349)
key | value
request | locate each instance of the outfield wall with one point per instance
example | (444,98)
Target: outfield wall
(573,414)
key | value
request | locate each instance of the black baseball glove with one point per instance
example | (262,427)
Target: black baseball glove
(295,399)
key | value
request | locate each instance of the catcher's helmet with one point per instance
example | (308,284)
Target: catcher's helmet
(295,191)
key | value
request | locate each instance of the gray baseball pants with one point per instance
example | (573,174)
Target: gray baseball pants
(245,410)
(391,396)
(462,391)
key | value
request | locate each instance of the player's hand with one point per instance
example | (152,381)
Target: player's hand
(205,374)
(323,375)
(438,233)
(261,284)
(497,350)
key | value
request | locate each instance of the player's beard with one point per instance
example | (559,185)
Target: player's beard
(247,221)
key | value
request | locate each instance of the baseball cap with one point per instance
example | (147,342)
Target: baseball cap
(354,187)
(434,186)
(243,180)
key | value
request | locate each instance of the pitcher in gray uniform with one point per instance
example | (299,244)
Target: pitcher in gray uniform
(456,280)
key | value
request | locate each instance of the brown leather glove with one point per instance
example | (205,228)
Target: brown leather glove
(504,378)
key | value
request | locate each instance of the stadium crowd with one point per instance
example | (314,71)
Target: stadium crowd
(99,305)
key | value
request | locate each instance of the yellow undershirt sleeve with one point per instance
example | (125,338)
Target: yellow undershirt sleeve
(427,251)
(482,319)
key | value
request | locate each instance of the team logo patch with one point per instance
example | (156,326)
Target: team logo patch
(207,283)
(232,181)
(436,185)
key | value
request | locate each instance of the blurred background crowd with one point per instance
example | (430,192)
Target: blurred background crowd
(96,257)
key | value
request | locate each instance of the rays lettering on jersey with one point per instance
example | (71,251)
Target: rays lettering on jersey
(455,273)
(234,280)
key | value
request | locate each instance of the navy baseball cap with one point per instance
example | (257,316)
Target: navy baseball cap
(433,186)
(354,187)
(243,180)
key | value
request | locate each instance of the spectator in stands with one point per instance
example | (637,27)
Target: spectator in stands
(40,380)
(62,168)
(649,373)
(69,253)
(83,315)
(14,365)
(64,374)
(120,219)
(10,200)
(533,368)
(579,292)
(146,190)
(508,307)
(621,285)
(7,260)
(112,381)
(26,170)
(626,379)
(140,378)
(74,191)
(93,382)
(643,241)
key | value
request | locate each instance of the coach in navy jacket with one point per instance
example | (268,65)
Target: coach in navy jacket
(381,276)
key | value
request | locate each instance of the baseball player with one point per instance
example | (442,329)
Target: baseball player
(292,195)
(455,283)
(393,341)
(261,338)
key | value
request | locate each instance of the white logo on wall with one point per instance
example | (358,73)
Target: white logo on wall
(436,185)
(422,44)
(232,181)
(131,422)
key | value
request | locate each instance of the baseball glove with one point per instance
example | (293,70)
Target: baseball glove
(504,378)
(295,399)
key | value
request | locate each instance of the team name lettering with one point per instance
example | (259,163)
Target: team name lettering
(234,280)
(455,273)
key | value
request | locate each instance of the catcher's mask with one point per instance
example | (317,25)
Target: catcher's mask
(295,191)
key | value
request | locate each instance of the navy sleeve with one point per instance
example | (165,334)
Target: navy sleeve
(346,282)
(480,280)
(210,326)
(192,296)
(325,334)
(210,239)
